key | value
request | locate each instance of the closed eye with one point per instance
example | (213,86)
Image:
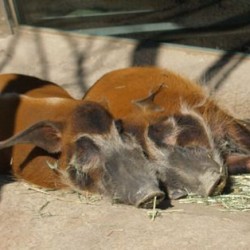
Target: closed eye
(119,126)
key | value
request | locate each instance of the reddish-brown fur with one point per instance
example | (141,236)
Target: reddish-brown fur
(142,96)
(24,101)
(17,115)
(151,102)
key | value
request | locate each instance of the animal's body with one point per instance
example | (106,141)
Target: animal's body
(59,142)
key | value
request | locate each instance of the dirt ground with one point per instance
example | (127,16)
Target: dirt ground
(38,219)
(35,219)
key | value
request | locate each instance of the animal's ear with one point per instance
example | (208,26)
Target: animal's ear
(164,132)
(147,104)
(44,134)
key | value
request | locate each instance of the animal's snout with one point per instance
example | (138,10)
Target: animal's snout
(214,183)
(147,201)
(219,184)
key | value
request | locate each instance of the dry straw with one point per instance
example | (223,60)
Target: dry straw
(238,199)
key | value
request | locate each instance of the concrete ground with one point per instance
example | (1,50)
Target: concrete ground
(34,220)
(37,219)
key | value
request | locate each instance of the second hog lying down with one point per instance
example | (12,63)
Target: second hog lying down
(191,141)
(60,142)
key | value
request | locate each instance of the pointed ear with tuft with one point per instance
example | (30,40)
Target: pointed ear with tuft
(165,132)
(147,104)
(44,134)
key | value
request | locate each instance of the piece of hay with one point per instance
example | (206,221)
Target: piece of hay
(237,200)
(68,195)
(152,214)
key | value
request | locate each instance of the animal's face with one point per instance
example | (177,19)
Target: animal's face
(112,164)
(184,170)
(95,156)
(182,150)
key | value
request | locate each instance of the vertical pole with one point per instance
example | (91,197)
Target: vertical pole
(5,22)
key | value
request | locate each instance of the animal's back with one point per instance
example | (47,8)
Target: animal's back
(30,86)
(122,88)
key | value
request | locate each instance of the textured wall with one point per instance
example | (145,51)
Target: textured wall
(77,61)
